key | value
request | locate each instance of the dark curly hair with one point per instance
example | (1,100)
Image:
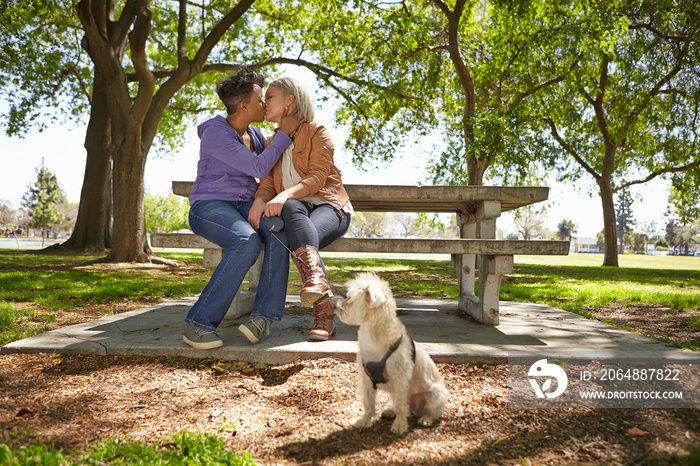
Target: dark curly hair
(234,89)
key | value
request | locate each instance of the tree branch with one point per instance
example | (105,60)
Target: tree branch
(137,43)
(82,84)
(656,89)
(657,173)
(187,69)
(444,8)
(660,34)
(570,150)
(597,104)
(320,70)
(182,34)
(119,31)
(548,83)
(217,32)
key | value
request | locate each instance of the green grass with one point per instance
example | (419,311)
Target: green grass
(625,260)
(34,287)
(185,448)
(48,284)
(576,288)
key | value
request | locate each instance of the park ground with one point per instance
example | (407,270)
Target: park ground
(299,413)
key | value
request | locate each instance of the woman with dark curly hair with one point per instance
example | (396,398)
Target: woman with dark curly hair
(232,156)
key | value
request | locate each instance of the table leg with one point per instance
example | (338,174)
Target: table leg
(490,275)
(481,225)
(466,271)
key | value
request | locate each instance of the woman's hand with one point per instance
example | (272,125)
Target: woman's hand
(290,120)
(256,211)
(274,207)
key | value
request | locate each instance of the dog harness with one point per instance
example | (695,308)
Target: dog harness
(375,369)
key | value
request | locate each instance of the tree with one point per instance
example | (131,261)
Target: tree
(601,241)
(630,106)
(636,241)
(624,217)
(661,242)
(166,213)
(69,212)
(41,201)
(651,229)
(685,195)
(566,229)
(673,234)
(368,224)
(405,223)
(8,215)
(443,68)
(47,77)
(528,221)
(137,67)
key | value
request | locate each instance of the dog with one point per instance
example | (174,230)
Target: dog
(388,358)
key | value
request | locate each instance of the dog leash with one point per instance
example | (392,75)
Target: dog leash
(275,225)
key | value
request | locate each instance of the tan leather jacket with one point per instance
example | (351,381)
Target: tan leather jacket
(313,160)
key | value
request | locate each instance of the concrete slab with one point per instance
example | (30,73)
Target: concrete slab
(436,325)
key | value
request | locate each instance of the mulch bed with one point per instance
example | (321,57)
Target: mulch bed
(300,413)
(653,320)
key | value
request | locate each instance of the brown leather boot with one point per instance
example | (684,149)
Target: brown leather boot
(315,287)
(324,322)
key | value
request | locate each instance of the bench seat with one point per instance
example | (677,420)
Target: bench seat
(496,261)
(396,245)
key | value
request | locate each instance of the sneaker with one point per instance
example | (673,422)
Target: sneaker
(255,329)
(201,339)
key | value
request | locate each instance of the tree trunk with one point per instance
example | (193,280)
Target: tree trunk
(609,222)
(130,241)
(93,227)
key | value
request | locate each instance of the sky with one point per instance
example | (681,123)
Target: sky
(61,148)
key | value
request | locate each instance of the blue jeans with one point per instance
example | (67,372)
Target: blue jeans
(317,226)
(225,223)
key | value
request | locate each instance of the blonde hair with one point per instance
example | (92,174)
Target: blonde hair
(304,106)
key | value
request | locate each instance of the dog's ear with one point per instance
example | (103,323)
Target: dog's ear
(374,295)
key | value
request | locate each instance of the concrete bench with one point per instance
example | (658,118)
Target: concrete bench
(477,208)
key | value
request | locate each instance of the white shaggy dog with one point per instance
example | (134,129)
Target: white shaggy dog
(388,359)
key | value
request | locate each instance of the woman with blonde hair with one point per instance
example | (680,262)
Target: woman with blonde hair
(305,188)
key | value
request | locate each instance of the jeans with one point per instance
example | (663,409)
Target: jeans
(225,223)
(317,226)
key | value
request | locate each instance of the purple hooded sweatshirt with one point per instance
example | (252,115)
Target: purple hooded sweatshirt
(227,169)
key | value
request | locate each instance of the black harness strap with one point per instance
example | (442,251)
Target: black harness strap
(375,369)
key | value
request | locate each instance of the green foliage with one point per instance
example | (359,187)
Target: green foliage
(8,215)
(41,200)
(685,195)
(166,213)
(368,224)
(637,242)
(8,316)
(661,242)
(42,65)
(565,229)
(185,448)
(623,211)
